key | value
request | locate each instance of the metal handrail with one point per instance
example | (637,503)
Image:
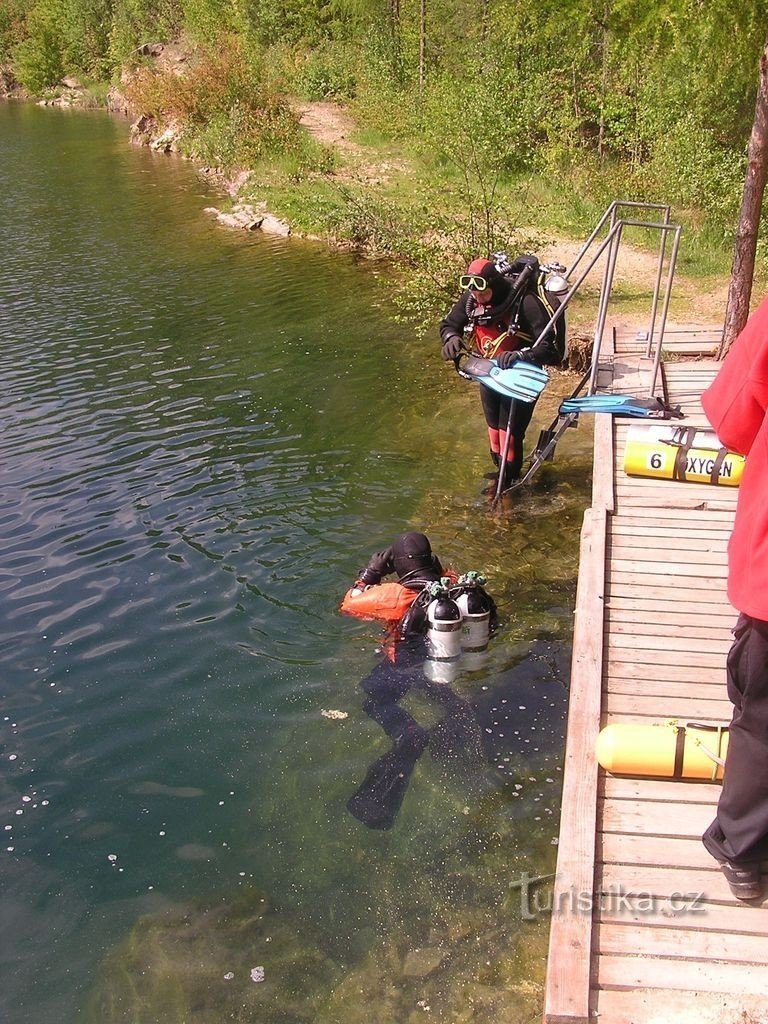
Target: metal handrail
(612,240)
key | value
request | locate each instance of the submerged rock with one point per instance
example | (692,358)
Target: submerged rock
(247,218)
(192,963)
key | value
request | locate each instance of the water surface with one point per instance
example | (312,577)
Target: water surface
(204,434)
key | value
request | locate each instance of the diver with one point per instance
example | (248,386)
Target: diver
(410,557)
(502,317)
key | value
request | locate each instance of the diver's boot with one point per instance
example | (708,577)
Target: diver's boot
(496,459)
(512,470)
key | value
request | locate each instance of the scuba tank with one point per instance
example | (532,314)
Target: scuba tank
(444,626)
(475,607)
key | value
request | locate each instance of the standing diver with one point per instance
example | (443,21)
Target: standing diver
(378,800)
(502,317)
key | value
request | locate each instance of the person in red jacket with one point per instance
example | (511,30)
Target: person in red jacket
(736,405)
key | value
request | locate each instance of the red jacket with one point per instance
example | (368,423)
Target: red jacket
(736,405)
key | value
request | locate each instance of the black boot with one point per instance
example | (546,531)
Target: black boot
(496,459)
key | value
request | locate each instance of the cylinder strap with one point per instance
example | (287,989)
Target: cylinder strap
(684,440)
(677,771)
(714,476)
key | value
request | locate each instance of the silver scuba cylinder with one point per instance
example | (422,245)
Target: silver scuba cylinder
(444,625)
(555,281)
(475,608)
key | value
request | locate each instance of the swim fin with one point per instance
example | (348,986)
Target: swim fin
(622,405)
(522,381)
(381,793)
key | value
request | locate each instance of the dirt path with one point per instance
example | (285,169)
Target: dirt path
(333,126)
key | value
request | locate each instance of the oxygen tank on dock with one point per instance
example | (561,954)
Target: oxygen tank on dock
(666,750)
(444,626)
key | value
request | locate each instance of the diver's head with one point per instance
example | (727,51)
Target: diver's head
(485,282)
(412,556)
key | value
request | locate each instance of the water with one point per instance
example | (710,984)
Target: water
(204,434)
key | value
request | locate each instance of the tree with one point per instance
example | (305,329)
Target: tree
(742,271)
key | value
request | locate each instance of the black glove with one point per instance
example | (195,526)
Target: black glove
(507,359)
(452,349)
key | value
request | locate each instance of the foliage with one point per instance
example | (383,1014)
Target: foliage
(224,112)
(601,97)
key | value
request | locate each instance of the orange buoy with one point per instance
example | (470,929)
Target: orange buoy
(666,750)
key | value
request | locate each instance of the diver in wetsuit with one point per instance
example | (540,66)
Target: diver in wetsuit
(497,321)
(378,799)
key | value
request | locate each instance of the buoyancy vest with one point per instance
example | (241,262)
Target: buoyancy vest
(491,334)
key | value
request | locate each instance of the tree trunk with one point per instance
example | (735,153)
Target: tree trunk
(743,269)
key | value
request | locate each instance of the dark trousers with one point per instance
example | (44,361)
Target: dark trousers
(740,829)
(496,412)
(388,683)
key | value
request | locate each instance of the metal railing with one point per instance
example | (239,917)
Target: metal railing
(655,334)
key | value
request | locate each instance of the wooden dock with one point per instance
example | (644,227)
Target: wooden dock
(644,928)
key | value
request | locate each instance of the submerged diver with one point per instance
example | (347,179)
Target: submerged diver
(419,570)
(502,318)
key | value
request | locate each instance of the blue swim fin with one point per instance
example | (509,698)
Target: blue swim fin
(523,381)
(622,405)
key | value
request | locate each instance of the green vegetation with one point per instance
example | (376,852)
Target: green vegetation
(500,124)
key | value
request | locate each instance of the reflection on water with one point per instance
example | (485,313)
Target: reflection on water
(203,437)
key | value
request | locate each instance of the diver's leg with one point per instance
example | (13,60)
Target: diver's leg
(379,797)
(459,729)
(385,686)
(492,404)
(522,414)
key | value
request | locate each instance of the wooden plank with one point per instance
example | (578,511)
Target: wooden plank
(692,569)
(671,515)
(693,588)
(638,672)
(680,540)
(651,687)
(693,659)
(602,464)
(634,497)
(669,606)
(664,1006)
(619,848)
(685,707)
(680,943)
(716,630)
(659,883)
(570,942)
(628,787)
(628,972)
(626,615)
(636,640)
(645,531)
(652,818)
(718,917)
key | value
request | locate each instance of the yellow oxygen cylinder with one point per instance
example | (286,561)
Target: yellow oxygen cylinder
(681,453)
(668,750)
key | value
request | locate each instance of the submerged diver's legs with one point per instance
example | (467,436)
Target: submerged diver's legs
(380,796)
(378,799)
(458,730)
(385,687)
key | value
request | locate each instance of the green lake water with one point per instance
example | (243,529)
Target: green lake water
(204,435)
